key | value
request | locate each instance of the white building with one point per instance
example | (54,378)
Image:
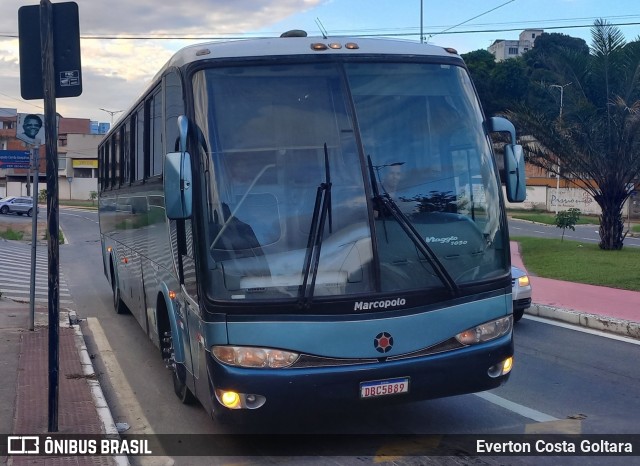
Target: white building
(505,49)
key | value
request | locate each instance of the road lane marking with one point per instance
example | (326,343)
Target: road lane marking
(562,426)
(125,394)
(579,328)
(516,408)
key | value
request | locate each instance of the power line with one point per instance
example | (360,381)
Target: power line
(477,16)
(377,32)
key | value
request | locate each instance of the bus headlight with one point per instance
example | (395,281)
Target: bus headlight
(247,356)
(487,331)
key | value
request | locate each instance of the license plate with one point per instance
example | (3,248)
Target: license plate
(387,387)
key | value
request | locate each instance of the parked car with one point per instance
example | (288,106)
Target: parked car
(521,291)
(18,205)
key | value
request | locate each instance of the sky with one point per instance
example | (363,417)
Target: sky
(124,42)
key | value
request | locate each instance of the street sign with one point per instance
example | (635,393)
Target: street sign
(15,159)
(66,53)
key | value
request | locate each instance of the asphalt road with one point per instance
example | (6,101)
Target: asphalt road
(587,233)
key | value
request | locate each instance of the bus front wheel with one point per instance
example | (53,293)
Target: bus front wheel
(178,371)
(180,387)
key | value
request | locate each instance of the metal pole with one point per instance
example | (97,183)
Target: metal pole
(421,21)
(51,145)
(561,87)
(558,187)
(35,155)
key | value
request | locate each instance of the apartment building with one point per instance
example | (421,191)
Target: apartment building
(505,49)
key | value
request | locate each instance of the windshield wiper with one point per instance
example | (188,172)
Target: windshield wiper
(386,204)
(321,211)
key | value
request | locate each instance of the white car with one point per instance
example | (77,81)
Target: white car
(18,205)
(521,291)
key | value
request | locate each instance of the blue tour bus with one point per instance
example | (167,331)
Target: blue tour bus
(298,217)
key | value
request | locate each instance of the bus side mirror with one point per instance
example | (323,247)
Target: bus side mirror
(513,160)
(178,181)
(514,170)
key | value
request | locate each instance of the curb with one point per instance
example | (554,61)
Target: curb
(99,400)
(620,327)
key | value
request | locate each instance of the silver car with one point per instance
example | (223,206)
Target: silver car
(18,205)
(521,291)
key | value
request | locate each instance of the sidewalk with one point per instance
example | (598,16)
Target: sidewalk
(25,381)
(83,410)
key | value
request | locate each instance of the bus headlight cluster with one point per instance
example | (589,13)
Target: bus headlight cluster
(485,332)
(247,356)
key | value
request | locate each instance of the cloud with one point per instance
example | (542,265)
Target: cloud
(115,70)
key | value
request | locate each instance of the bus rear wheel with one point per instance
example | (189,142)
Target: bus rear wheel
(118,305)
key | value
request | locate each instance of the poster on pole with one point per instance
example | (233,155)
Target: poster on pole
(30,128)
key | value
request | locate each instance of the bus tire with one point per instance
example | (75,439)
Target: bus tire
(118,305)
(178,371)
(180,387)
(518,314)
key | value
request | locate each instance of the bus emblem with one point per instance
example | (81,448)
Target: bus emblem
(383,342)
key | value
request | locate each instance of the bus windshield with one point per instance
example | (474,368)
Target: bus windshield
(351,178)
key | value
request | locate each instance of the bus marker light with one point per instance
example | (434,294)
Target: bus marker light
(172,295)
(109,249)
(318,46)
(351,46)
(335,45)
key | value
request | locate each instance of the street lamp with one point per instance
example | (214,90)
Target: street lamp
(111,112)
(561,93)
(561,87)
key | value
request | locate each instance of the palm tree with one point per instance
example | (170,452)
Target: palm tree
(595,143)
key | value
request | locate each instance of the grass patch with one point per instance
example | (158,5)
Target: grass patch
(635,228)
(549,218)
(574,261)
(77,203)
(11,234)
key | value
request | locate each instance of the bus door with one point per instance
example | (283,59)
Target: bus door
(187,312)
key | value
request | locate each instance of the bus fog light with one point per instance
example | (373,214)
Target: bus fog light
(234,400)
(230,400)
(502,368)
(487,331)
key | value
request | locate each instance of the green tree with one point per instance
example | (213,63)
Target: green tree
(567,219)
(481,64)
(93,195)
(595,143)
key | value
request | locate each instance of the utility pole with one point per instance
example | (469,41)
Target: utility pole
(561,87)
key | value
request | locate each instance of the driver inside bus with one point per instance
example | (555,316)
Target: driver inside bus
(393,176)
